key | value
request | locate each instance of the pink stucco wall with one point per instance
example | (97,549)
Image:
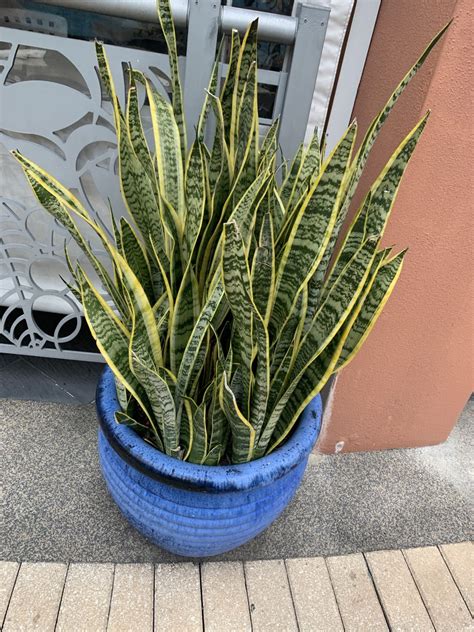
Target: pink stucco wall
(414,375)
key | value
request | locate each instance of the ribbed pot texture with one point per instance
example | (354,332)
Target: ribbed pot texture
(198,510)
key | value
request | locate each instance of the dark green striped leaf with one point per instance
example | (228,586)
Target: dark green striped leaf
(263,269)
(167,27)
(311,230)
(136,257)
(185,313)
(238,291)
(243,434)
(379,293)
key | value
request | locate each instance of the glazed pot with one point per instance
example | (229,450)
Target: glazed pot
(198,510)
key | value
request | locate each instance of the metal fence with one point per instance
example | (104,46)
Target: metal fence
(53,110)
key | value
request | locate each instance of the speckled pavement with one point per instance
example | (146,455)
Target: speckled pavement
(423,589)
(55,507)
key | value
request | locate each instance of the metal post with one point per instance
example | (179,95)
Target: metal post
(312,25)
(203,27)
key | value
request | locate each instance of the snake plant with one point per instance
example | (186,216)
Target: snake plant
(227,307)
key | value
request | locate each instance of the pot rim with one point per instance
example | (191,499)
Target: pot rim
(218,478)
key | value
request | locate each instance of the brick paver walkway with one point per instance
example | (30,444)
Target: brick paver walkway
(430,588)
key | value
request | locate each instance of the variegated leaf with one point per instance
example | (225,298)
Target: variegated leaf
(379,293)
(167,26)
(191,362)
(228,89)
(195,189)
(199,446)
(247,55)
(136,257)
(339,302)
(185,314)
(169,159)
(238,291)
(311,230)
(243,434)
(263,269)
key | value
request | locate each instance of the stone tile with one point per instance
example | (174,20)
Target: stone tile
(131,607)
(355,594)
(8,573)
(440,594)
(178,598)
(397,592)
(7,359)
(271,606)
(313,596)
(224,597)
(86,598)
(78,379)
(460,560)
(35,601)
(22,381)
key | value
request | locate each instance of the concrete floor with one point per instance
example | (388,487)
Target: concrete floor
(56,507)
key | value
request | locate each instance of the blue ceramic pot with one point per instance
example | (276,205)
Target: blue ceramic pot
(198,510)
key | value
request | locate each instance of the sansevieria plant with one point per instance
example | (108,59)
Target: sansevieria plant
(228,307)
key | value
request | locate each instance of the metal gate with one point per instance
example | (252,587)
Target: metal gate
(53,110)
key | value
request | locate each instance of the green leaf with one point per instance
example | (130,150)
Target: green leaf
(238,291)
(263,269)
(135,128)
(247,128)
(185,312)
(370,137)
(247,55)
(192,360)
(212,89)
(228,89)
(199,446)
(373,216)
(136,257)
(217,421)
(195,187)
(292,177)
(261,385)
(269,148)
(373,304)
(167,27)
(169,159)
(157,391)
(108,83)
(311,230)
(111,337)
(213,456)
(60,203)
(136,177)
(243,434)
(310,167)
(338,304)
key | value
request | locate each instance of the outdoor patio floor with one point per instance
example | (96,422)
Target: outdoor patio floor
(415,589)
(372,541)
(56,507)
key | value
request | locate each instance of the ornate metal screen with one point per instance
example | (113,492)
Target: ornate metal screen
(53,110)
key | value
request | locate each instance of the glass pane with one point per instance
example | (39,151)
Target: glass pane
(283,7)
(84,25)
(270,55)
(266,100)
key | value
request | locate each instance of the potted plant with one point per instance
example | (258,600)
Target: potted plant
(228,307)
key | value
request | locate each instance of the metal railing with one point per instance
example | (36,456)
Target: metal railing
(22,250)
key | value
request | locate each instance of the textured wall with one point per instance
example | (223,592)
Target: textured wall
(411,380)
